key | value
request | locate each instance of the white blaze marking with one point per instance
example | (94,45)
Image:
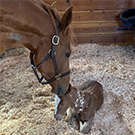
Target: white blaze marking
(57,101)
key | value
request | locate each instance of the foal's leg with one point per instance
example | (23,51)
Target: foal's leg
(85,128)
(75,123)
(69,115)
(72,119)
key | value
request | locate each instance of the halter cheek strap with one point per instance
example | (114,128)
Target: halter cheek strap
(51,54)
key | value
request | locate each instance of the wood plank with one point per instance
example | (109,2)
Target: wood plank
(106,39)
(84,24)
(98,28)
(93,4)
(105,33)
(96,15)
(96,22)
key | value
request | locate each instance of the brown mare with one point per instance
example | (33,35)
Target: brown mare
(33,24)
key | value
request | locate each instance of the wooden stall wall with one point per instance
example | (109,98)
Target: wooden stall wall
(96,21)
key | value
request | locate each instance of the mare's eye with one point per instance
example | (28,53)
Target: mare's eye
(68,55)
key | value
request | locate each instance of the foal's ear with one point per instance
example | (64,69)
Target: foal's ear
(67,18)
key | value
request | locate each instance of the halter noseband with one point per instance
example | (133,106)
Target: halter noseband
(51,54)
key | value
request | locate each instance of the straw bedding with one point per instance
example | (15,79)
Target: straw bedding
(26,107)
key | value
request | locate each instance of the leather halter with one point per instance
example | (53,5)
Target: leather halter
(51,54)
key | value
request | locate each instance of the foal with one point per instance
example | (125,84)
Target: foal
(84,101)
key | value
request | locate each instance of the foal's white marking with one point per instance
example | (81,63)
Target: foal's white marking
(82,125)
(57,101)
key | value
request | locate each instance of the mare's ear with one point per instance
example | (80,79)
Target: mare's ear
(66,19)
(54,4)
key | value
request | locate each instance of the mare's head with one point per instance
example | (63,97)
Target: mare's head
(59,25)
(35,23)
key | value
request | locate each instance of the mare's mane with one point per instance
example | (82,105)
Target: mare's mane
(53,12)
(50,10)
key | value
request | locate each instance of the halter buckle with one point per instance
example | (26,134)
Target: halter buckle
(55,40)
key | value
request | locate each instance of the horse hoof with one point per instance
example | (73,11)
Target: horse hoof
(85,128)
(85,131)
(58,117)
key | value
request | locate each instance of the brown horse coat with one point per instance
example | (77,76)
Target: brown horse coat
(84,102)
(32,23)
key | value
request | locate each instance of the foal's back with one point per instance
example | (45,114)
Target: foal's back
(95,90)
(93,99)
